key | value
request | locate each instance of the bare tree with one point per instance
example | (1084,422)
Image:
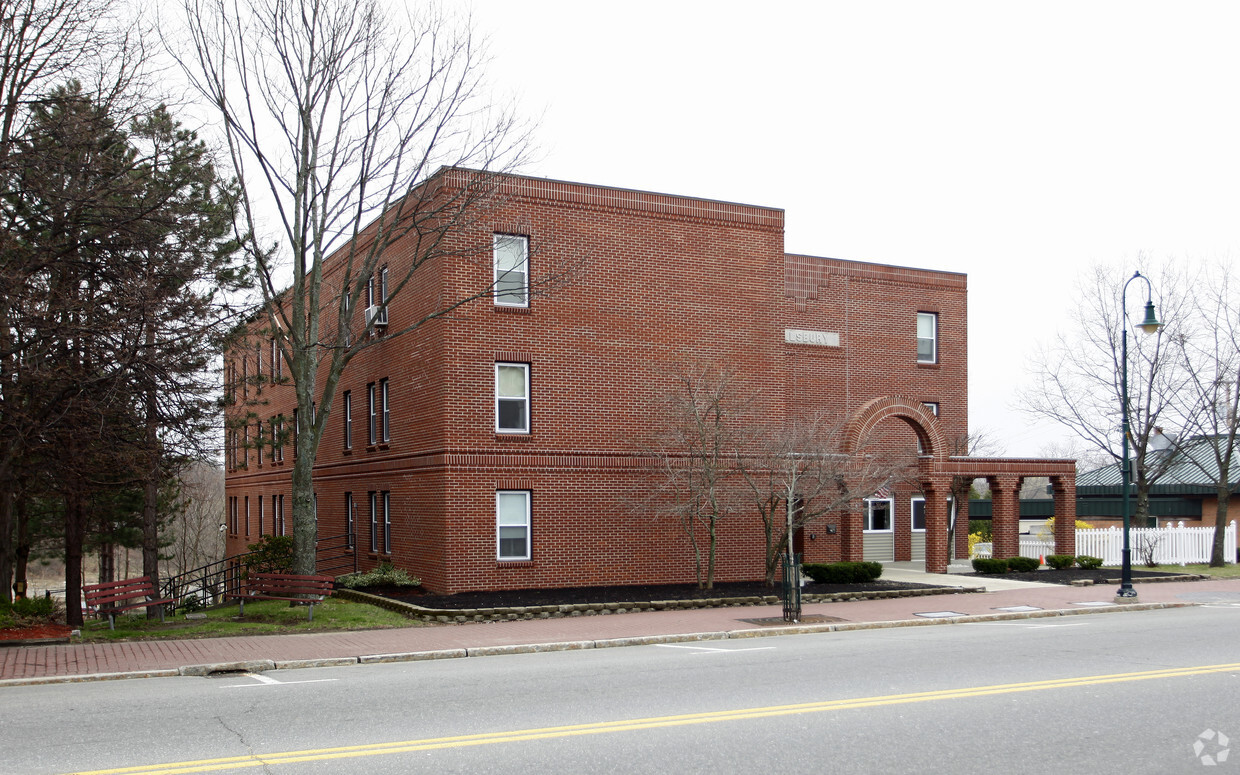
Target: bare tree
(1209,404)
(798,473)
(697,458)
(337,115)
(1078,382)
(193,536)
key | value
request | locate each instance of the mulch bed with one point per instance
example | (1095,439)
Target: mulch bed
(516,598)
(36,632)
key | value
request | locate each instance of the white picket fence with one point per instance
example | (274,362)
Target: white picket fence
(1171,545)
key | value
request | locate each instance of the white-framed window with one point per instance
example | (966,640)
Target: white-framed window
(247,516)
(512,265)
(374,520)
(917,508)
(347,411)
(512,524)
(262,516)
(932,407)
(372,410)
(512,398)
(349,520)
(385,419)
(258,446)
(387,522)
(280,513)
(878,515)
(927,337)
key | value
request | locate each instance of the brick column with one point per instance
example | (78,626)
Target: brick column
(936,490)
(1005,522)
(1064,489)
(852,523)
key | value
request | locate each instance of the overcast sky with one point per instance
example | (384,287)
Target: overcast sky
(1019,143)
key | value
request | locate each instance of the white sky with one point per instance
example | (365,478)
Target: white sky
(1017,142)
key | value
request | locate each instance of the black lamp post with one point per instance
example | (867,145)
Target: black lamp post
(1126,593)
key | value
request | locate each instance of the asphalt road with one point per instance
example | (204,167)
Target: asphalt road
(1147,692)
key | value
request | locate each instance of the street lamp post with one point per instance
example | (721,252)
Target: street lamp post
(1126,593)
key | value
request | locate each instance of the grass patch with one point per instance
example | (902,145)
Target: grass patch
(262,617)
(1230,571)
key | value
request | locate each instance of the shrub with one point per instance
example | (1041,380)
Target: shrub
(843,572)
(1060,561)
(1047,531)
(1023,564)
(190,603)
(385,575)
(271,554)
(974,540)
(29,610)
(1088,563)
(990,565)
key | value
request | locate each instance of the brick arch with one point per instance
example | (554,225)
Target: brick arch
(909,410)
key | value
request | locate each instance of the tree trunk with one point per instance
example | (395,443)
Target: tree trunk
(305,526)
(6,540)
(150,501)
(75,538)
(23,544)
(1217,560)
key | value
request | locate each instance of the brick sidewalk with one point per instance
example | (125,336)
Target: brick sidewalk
(96,661)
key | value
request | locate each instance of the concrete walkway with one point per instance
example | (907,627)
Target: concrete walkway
(1010,600)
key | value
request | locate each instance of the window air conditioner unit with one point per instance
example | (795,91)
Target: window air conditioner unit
(377,315)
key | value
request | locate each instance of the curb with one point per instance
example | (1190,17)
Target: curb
(514,613)
(261,665)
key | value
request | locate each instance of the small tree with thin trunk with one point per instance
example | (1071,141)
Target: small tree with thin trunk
(697,459)
(798,473)
(1209,352)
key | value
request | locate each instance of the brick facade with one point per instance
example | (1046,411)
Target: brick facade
(653,282)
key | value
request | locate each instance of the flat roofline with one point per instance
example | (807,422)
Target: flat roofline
(873,264)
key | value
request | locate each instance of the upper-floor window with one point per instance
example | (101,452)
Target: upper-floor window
(348,420)
(927,337)
(372,415)
(512,277)
(385,416)
(512,397)
(932,407)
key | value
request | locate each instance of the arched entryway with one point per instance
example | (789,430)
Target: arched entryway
(943,479)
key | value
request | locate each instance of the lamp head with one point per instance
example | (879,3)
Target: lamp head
(1150,325)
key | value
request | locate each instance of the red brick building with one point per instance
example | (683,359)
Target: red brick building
(502,446)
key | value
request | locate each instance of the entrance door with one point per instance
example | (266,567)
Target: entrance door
(878,538)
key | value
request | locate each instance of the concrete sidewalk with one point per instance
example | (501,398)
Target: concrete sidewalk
(105,661)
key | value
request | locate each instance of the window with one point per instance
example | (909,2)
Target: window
(385,426)
(277,439)
(349,523)
(512,281)
(348,317)
(877,515)
(277,365)
(245,375)
(383,285)
(280,511)
(918,510)
(258,445)
(295,429)
(512,524)
(374,521)
(387,522)
(512,398)
(348,420)
(262,516)
(371,410)
(258,367)
(927,337)
(232,515)
(932,407)
(247,515)
(245,446)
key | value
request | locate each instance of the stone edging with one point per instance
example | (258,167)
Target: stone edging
(515,613)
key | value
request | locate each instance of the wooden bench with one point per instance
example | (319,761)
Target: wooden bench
(286,586)
(112,597)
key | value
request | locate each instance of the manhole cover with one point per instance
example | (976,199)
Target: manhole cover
(1017,609)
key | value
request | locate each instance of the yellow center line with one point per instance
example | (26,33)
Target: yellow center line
(604,727)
